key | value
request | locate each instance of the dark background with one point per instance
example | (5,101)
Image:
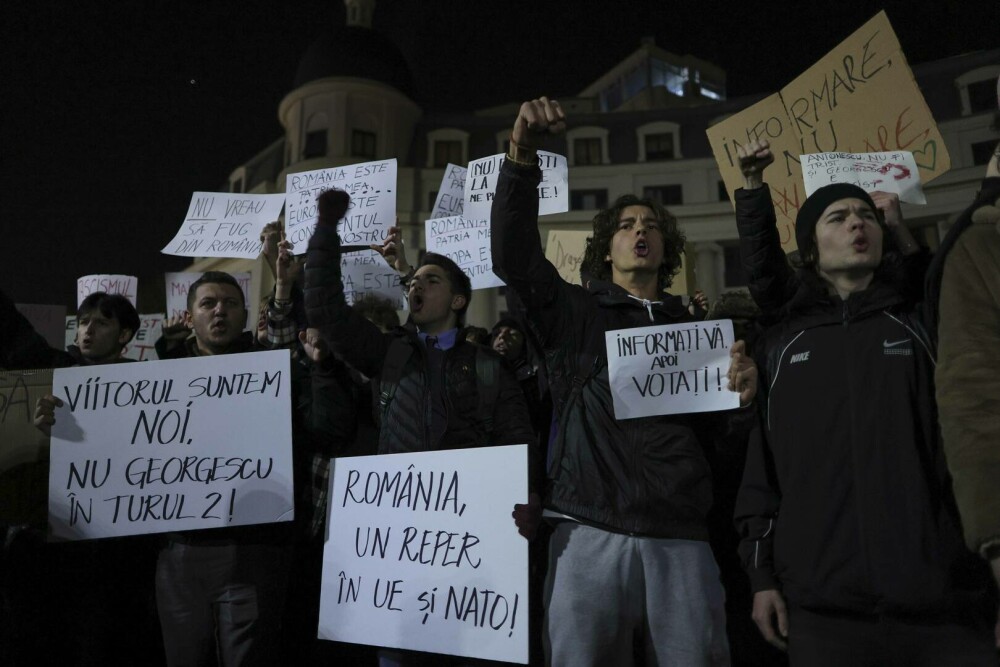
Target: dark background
(114,112)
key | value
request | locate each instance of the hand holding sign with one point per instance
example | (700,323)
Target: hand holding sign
(754,158)
(393,252)
(535,120)
(45,413)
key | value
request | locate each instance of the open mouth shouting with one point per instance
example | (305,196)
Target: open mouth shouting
(860,243)
(641,248)
(416,302)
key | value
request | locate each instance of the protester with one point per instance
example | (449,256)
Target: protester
(963,288)
(95,592)
(758,248)
(433,396)
(630,568)
(105,325)
(219,591)
(850,538)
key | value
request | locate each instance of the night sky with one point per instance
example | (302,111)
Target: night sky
(114,112)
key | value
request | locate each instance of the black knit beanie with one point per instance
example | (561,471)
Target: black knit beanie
(816,203)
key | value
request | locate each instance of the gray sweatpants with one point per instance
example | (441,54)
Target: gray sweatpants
(604,590)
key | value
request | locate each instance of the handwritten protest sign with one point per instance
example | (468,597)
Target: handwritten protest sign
(366,272)
(104,282)
(171,445)
(889,172)
(481,185)
(670,369)
(48,321)
(451,194)
(178,285)
(467,243)
(565,249)
(142,346)
(24,450)
(372,187)
(861,97)
(421,553)
(222,224)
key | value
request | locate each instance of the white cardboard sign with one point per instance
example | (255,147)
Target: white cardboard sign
(171,445)
(366,272)
(223,224)
(451,194)
(421,553)
(895,172)
(466,242)
(481,185)
(372,187)
(142,346)
(106,282)
(670,369)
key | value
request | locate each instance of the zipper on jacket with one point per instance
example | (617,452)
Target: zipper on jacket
(846,315)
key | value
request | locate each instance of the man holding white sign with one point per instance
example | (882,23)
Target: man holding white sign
(850,535)
(437,391)
(221,591)
(629,555)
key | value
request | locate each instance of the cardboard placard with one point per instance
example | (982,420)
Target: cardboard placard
(860,97)
(372,187)
(224,224)
(421,553)
(670,369)
(171,445)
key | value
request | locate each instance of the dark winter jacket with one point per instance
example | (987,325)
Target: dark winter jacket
(845,501)
(405,422)
(646,476)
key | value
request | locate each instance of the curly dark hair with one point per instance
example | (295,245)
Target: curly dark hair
(606,222)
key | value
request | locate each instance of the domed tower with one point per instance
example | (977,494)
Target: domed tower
(351,101)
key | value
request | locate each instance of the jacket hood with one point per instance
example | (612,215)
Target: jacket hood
(610,294)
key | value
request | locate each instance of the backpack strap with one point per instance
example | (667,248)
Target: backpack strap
(392,371)
(487,389)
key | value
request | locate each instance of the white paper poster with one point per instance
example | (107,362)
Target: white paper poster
(372,187)
(894,172)
(670,369)
(142,346)
(109,283)
(224,224)
(422,553)
(467,243)
(451,194)
(481,185)
(171,445)
(366,272)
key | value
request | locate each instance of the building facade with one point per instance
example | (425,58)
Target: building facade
(638,128)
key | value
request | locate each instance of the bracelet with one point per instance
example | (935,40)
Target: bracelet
(405,280)
(521,155)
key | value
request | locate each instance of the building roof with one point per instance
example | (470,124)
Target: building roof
(355,51)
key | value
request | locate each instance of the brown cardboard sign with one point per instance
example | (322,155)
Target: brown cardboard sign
(861,98)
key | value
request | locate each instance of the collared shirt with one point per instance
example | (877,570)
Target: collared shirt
(445,339)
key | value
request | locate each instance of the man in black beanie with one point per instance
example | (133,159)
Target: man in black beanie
(845,510)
